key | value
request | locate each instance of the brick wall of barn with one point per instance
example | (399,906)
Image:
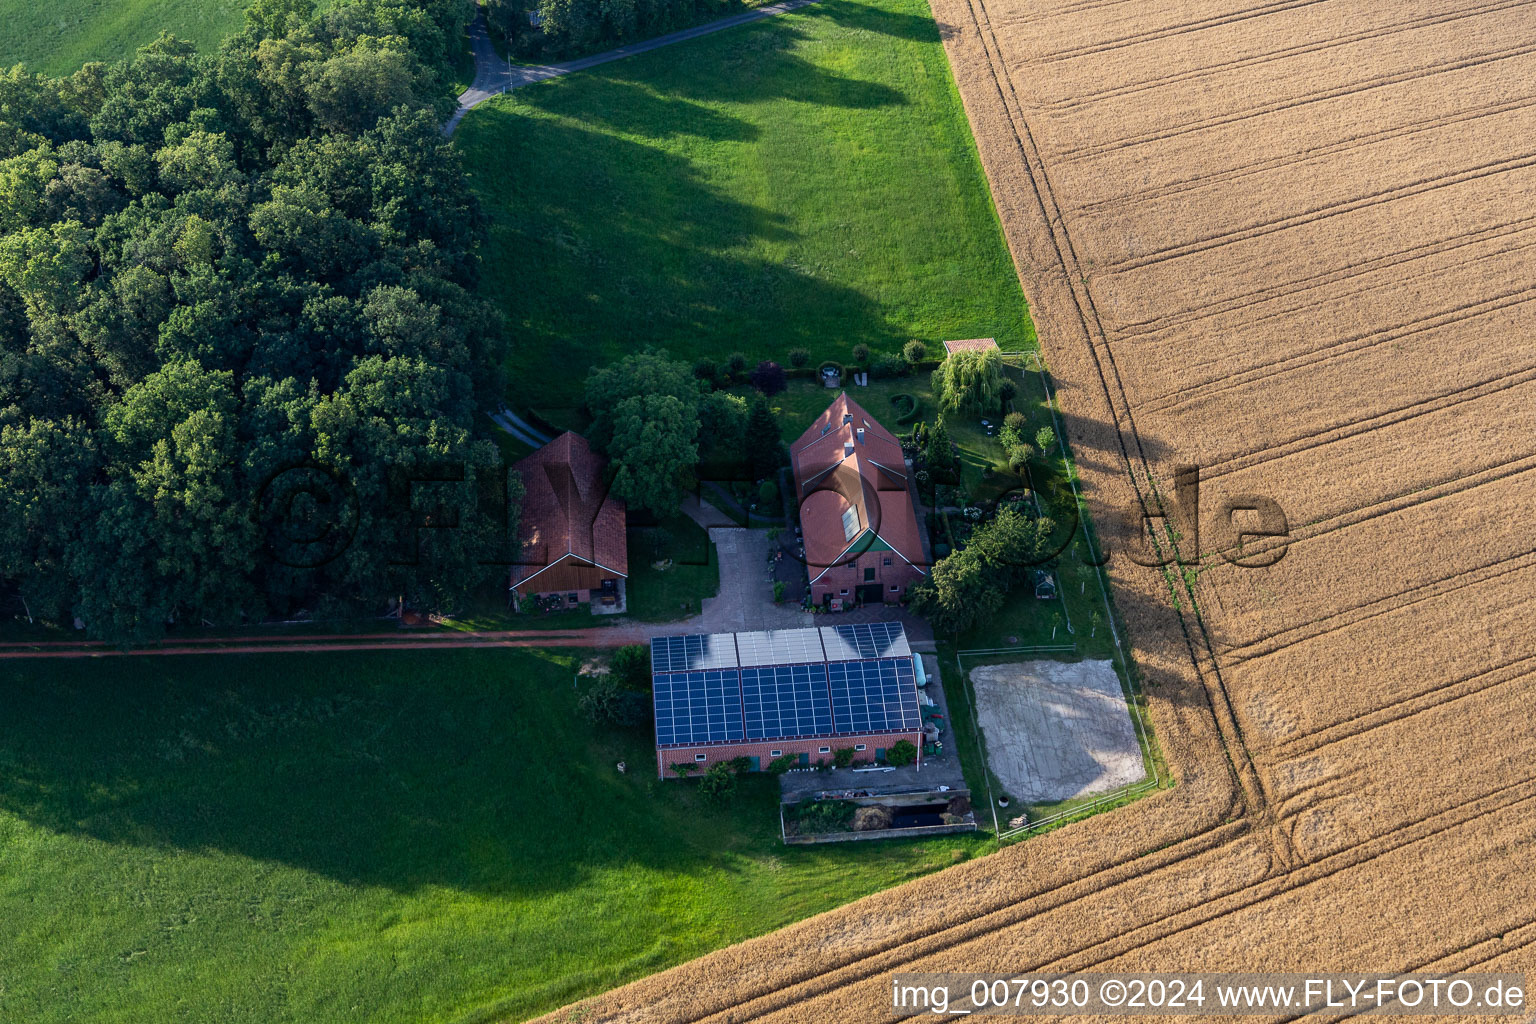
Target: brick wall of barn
(764,752)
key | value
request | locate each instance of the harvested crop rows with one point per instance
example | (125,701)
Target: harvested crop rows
(1289,242)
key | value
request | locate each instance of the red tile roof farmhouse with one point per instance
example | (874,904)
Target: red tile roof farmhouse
(568,515)
(851,482)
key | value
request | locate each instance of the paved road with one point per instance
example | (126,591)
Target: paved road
(494,75)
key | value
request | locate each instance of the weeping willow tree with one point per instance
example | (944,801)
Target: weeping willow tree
(970,383)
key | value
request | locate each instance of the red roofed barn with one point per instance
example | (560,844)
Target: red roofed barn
(861,534)
(572,533)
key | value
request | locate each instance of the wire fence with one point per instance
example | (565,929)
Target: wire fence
(1155,779)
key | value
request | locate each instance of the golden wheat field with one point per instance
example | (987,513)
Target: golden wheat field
(1293,243)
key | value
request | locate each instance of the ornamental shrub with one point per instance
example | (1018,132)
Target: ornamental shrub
(780,765)
(907,408)
(718,784)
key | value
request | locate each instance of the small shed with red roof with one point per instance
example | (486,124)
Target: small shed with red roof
(969,345)
(571,537)
(862,540)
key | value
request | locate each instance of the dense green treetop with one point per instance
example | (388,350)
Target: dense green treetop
(970,382)
(216,267)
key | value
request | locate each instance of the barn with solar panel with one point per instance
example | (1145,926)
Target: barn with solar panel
(802,692)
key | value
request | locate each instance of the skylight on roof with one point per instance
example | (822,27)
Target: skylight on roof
(850,523)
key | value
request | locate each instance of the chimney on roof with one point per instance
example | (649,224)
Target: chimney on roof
(847,448)
(847,417)
(860,432)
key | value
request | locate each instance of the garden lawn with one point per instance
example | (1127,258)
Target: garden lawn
(59,36)
(805,400)
(805,181)
(394,837)
(676,590)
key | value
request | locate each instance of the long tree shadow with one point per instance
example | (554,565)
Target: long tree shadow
(875,19)
(757,63)
(469,770)
(634,107)
(601,244)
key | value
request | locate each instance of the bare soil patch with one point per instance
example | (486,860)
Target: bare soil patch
(1056,730)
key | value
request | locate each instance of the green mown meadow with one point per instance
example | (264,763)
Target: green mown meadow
(399,836)
(59,36)
(806,181)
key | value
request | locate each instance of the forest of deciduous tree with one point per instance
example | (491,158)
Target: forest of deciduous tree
(241,347)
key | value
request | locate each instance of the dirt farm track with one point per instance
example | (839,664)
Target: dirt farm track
(1293,243)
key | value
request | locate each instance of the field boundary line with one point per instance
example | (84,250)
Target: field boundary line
(1198,642)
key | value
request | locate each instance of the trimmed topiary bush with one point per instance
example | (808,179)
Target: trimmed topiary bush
(907,408)
(914,352)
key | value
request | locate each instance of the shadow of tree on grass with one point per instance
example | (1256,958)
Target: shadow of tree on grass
(471,770)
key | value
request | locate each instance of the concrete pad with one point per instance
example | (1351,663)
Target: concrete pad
(1056,730)
(745,601)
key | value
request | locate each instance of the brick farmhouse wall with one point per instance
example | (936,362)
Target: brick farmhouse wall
(841,577)
(716,752)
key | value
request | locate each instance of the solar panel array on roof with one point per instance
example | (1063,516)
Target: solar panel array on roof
(784,702)
(780,647)
(865,640)
(685,653)
(791,684)
(698,707)
(874,696)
